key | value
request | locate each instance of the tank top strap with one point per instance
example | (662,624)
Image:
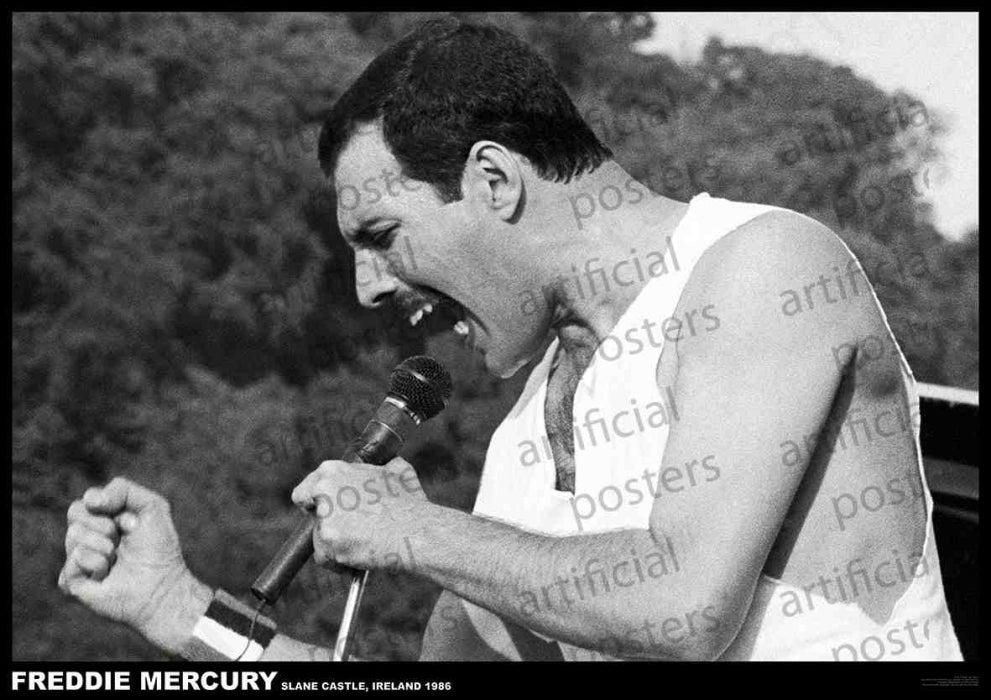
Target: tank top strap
(709,219)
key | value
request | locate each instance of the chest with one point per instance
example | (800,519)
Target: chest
(560,421)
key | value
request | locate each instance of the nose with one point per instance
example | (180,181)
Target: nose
(373,280)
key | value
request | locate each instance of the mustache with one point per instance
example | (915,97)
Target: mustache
(446,310)
(409,302)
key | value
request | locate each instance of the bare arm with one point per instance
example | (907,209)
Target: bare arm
(720,535)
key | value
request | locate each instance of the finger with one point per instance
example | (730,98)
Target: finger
(339,569)
(324,505)
(325,560)
(77,510)
(405,474)
(121,494)
(74,582)
(81,536)
(323,537)
(72,537)
(319,504)
(398,465)
(329,466)
(78,513)
(69,573)
(92,564)
(303,494)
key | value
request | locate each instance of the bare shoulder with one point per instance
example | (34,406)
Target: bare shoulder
(776,246)
(783,273)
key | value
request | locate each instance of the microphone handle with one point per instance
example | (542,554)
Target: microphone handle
(378,443)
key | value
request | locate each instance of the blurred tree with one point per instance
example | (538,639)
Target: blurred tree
(183,305)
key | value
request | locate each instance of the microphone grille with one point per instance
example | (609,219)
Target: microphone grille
(423,384)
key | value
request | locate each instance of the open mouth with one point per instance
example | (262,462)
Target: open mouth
(436,312)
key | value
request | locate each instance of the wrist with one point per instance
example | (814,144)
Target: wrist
(418,528)
(229,631)
(177,611)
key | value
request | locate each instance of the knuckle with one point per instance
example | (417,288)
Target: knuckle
(158,504)
(97,542)
(106,527)
(93,560)
(84,556)
(328,466)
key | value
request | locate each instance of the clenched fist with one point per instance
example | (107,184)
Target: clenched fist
(123,560)
(363,512)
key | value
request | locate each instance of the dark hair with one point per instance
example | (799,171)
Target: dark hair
(449,84)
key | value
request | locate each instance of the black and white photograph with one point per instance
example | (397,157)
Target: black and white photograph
(492,336)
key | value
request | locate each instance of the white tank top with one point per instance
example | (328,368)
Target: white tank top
(621,428)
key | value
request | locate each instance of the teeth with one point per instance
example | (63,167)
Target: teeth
(461,328)
(415,318)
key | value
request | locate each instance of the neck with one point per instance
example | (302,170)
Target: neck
(604,237)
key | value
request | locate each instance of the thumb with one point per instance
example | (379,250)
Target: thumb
(127,522)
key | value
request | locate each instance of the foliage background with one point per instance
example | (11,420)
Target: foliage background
(183,312)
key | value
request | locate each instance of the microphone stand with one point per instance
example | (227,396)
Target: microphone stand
(369,453)
(345,634)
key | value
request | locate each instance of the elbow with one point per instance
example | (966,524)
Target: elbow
(704,647)
(702,634)
(719,626)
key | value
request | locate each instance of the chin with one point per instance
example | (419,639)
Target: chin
(499,370)
(506,373)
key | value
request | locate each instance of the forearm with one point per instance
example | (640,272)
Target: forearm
(283,648)
(622,592)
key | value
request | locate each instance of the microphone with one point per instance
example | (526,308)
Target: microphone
(420,388)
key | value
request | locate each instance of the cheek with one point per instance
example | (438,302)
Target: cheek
(523,309)
(519,335)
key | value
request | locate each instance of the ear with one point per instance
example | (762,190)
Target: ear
(493,178)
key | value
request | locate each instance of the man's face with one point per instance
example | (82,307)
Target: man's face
(458,260)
